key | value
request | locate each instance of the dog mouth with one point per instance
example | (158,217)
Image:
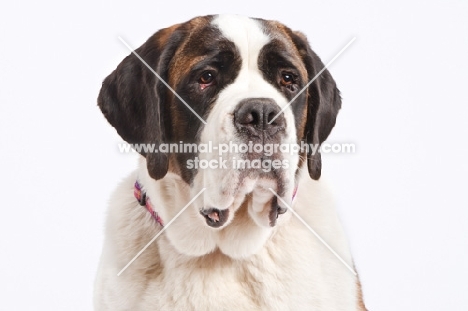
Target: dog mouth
(214,217)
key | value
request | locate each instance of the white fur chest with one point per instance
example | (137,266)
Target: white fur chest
(293,271)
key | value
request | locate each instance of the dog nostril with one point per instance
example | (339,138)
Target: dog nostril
(251,118)
(255,118)
(270,117)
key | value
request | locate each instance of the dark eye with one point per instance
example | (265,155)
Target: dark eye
(206,78)
(287,79)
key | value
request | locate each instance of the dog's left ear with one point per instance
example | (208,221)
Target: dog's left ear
(323,103)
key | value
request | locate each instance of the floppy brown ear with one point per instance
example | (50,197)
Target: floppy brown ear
(323,103)
(133,99)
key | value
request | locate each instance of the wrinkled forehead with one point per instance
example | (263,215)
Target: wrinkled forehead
(258,39)
(253,35)
(246,33)
(246,37)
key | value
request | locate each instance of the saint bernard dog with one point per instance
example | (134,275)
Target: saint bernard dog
(228,237)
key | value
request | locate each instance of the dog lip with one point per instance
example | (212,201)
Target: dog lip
(275,211)
(281,210)
(214,217)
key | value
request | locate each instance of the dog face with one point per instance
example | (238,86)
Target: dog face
(239,75)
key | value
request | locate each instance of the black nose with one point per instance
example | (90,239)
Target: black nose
(254,115)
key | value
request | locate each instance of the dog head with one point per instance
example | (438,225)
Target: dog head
(241,86)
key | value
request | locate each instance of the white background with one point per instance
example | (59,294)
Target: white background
(402,196)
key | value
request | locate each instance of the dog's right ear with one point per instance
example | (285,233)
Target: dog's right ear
(133,99)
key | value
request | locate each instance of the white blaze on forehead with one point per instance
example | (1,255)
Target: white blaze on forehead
(249,38)
(247,35)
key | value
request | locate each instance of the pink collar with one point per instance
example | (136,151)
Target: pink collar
(143,200)
(141,197)
(294,194)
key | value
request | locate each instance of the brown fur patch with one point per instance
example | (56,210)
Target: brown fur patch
(165,34)
(361,305)
(184,59)
(276,30)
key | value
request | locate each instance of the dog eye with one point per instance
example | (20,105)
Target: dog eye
(287,79)
(206,78)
